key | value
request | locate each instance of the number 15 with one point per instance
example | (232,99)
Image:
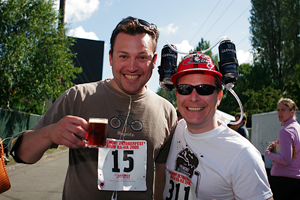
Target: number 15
(125,158)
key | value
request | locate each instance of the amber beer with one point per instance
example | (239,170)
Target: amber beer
(97,132)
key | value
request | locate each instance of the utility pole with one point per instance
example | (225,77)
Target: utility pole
(62,11)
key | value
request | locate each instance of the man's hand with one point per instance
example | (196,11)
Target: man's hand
(69,131)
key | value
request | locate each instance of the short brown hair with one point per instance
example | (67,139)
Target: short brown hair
(133,26)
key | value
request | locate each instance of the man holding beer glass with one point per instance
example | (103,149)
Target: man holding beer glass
(139,124)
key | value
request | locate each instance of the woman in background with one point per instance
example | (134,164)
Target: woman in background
(285,172)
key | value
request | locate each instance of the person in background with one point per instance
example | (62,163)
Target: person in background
(208,160)
(285,171)
(241,127)
(146,120)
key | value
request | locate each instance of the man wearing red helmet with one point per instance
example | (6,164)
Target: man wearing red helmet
(208,160)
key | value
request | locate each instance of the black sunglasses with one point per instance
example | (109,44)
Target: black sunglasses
(203,89)
(139,21)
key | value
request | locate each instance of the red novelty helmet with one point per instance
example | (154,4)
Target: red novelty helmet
(194,63)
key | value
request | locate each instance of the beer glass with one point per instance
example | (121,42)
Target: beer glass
(97,132)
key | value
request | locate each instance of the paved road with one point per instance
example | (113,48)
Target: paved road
(43,180)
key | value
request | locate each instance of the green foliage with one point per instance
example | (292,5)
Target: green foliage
(169,95)
(275,26)
(250,78)
(264,100)
(275,73)
(35,57)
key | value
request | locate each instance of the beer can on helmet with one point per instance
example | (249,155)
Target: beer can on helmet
(196,63)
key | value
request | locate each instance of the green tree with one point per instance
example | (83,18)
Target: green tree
(169,95)
(264,100)
(275,71)
(275,26)
(35,57)
(229,104)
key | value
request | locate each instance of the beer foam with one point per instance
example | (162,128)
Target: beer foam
(98,120)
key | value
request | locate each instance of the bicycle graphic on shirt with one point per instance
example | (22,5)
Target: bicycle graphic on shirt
(117,121)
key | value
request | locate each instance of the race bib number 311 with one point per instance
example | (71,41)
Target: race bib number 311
(178,187)
(122,165)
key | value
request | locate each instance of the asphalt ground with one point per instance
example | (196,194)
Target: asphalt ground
(43,180)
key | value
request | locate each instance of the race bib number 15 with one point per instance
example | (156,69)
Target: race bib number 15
(122,165)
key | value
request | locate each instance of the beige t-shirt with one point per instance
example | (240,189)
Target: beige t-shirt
(157,120)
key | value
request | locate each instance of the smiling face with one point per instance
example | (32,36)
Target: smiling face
(284,113)
(199,111)
(132,62)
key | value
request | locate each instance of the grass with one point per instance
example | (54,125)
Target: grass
(49,151)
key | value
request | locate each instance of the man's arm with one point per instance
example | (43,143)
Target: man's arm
(35,142)
(160,180)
